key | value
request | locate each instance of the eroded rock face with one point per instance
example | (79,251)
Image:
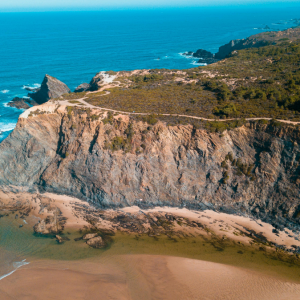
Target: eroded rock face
(175,165)
(52,224)
(50,88)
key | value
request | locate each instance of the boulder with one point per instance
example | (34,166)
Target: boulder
(96,242)
(89,236)
(82,88)
(51,88)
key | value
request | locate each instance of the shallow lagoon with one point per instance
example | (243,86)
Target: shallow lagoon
(18,244)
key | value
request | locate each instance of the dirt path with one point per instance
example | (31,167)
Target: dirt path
(104,88)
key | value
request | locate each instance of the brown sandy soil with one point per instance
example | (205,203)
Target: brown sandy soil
(142,277)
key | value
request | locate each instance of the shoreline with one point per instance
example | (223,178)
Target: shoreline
(196,255)
(147,276)
(203,235)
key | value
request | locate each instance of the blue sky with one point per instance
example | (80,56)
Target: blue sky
(31,5)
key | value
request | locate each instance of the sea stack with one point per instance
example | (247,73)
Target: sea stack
(50,88)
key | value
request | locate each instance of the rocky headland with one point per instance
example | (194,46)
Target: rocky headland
(254,41)
(105,146)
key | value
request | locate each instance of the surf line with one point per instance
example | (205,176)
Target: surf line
(18,265)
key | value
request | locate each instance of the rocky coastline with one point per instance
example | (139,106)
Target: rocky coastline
(254,41)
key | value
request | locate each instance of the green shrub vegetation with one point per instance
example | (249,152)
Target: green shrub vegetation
(254,83)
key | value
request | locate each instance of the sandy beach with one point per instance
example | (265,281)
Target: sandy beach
(142,277)
(124,272)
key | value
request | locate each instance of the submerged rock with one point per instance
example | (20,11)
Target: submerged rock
(96,242)
(50,88)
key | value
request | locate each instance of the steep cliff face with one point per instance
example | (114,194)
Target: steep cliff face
(252,169)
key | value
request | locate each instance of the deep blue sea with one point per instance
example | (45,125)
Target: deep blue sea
(74,46)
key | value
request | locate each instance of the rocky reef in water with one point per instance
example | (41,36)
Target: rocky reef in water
(21,103)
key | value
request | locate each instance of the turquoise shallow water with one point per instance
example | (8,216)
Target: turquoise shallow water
(74,46)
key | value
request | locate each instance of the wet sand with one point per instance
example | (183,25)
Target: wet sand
(142,277)
(224,263)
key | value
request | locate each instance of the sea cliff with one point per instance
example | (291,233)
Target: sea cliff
(114,161)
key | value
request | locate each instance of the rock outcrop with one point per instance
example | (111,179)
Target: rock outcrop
(253,169)
(50,88)
(235,45)
(100,79)
(82,88)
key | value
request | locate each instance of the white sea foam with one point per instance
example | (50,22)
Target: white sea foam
(186,56)
(16,265)
(34,86)
(5,91)
(198,64)
(7,126)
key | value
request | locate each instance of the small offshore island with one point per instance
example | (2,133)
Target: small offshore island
(176,164)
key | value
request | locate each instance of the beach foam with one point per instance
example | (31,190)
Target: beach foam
(16,265)
(5,91)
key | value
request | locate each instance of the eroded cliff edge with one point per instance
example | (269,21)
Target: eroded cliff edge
(115,161)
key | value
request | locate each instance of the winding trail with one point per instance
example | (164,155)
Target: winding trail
(86,104)
(112,84)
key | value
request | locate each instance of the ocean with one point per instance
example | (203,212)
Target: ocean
(74,46)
